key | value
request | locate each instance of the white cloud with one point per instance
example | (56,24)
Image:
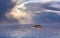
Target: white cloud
(55,4)
(26,16)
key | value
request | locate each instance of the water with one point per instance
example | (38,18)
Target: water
(26,31)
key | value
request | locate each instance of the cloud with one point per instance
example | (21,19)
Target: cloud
(31,1)
(47,13)
(5,7)
(31,12)
(22,16)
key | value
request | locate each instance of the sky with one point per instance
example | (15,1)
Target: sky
(46,12)
(29,11)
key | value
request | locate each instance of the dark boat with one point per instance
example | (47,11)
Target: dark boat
(37,26)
